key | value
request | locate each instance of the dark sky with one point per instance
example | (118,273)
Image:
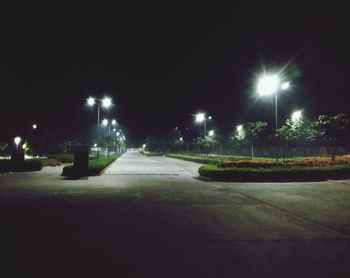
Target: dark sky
(163,63)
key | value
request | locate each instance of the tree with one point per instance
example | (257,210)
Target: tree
(296,130)
(3,146)
(156,144)
(248,134)
(252,132)
(205,144)
(333,130)
(179,144)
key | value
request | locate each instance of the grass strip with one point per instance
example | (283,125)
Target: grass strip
(95,167)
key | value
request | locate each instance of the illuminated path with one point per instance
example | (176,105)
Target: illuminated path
(151,217)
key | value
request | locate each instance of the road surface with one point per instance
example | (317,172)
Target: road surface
(153,217)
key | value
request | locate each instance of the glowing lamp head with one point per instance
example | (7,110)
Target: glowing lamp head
(90,101)
(211,133)
(106,102)
(144,146)
(200,117)
(297,116)
(239,128)
(34,126)
(118,133)
(181,139)
(268,85)
(17,140)
(114,122)
(105,122)
(285,86)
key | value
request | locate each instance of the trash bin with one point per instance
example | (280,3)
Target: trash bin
(81,158)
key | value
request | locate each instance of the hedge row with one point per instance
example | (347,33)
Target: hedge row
(64,158)
(8,165)
(95,167)
(275,174)
(202,160)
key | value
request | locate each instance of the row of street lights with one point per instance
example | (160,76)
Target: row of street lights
(105,102)
(267,85)
(202,118)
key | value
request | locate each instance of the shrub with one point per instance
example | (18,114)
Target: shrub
(95,167)
(275,174)
(203,160)
(20,166)
(51,162)
(64,158)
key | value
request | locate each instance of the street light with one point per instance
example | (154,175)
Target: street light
(211,133)
(34,126)
(17,141)
(297,116)
(271,84)
(201,117)
(106,102)
(106,122)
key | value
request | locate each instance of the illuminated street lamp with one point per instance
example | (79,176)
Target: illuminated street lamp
(17,141)
(211,133)
(297,116)
(271,84)
(34,126)
(106,102)
(201,117)
(108,123)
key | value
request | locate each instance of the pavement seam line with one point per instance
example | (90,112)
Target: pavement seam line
(302,218)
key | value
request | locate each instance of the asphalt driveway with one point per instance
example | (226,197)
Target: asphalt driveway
(152,217)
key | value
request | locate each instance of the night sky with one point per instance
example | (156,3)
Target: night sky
(163,63)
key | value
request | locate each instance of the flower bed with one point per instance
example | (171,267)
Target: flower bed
(304,162)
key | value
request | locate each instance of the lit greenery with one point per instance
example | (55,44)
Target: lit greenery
(332,130)
(96,166)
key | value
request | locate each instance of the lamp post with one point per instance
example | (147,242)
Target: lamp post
(201,117)
(106,102)
(108,123)
(17,141)
(267,85)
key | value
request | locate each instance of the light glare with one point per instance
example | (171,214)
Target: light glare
(268,84)
(17,140)
(297,115)
(91,101)
(106,102)
(200,117)
(285,85)
(105,122)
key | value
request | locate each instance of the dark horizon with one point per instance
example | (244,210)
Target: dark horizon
(160,66)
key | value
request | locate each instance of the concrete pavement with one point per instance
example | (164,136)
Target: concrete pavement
(151,217)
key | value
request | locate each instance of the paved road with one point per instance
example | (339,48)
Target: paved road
(152,217)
